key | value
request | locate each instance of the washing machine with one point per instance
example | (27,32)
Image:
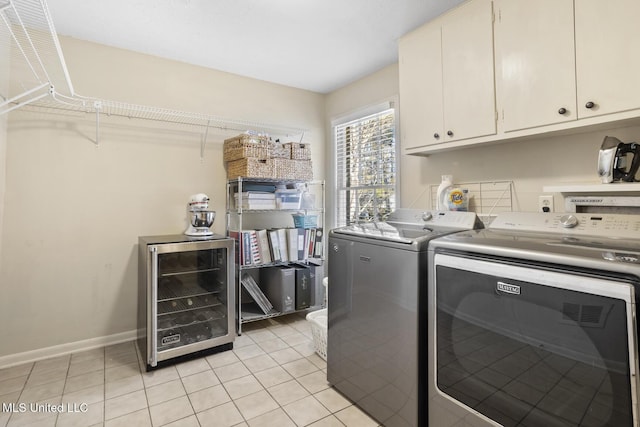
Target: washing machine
(532,322)
(377,277)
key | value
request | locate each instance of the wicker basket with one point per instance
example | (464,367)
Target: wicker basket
(293,169)
(279,151)
(250,167)
(318,321)
(298,151)
(246,146)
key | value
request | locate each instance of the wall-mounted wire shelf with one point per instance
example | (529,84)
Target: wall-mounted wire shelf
(485,198)
(39,78)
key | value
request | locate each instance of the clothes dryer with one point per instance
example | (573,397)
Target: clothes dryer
(532,322)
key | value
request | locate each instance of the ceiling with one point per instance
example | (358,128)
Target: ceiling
(317,45)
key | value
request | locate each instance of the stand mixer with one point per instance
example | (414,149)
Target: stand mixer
(199,215)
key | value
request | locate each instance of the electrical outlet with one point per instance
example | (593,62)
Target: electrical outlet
(545,204)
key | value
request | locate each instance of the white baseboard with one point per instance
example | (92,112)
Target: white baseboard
(64,349)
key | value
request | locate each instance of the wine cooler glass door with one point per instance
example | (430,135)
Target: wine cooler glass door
(192,300)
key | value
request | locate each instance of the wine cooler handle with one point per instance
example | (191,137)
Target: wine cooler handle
(153,357)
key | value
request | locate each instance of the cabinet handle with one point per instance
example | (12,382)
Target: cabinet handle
(589,104)
(562,110)
(450,133)
(436,135)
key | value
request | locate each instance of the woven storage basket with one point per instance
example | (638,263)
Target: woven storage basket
(293,169)
(246,146)
(280,151)
(250,167)
(298,151)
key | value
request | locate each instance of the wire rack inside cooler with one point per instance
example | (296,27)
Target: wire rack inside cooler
(167,291)
(184,304)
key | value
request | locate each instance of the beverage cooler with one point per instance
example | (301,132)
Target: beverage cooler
(185,297)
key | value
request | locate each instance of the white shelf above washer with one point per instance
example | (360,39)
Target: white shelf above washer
(594,188)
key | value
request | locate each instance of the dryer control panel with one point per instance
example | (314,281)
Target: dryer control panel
(579,224)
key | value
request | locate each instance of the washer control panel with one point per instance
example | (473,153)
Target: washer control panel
(581,224)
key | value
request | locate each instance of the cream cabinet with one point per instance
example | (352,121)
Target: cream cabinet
(556,62)
(535,65)
(607,56)
(447,78)
(420,68)
(468,71)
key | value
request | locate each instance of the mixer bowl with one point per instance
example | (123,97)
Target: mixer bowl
(202,218)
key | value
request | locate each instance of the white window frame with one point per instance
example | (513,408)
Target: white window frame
(355,116)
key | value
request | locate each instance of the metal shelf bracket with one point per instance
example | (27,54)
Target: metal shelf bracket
(38,63)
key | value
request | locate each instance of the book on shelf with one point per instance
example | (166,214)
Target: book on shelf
(274,244)
(263,245)
(284,247)
(247,252)
(255,250)
(257,247)
(258,296)
(246,249)
(317,247)
(302,254)
(292,244)
(309,239)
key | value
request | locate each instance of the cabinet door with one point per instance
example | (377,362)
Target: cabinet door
(535,67)
(467,71)
(420,87)
(607,56)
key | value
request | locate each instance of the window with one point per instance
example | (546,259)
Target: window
(366,168)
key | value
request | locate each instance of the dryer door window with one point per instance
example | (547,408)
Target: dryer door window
(527,347)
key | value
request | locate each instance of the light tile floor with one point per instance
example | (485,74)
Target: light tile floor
(272,377)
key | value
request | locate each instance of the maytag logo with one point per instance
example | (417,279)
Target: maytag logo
(508,288)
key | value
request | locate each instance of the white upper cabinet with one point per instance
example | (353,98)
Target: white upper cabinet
(560,66)
(556,62)
(447,78)
(607,56)
(535,67)
(420,87)
(468,71)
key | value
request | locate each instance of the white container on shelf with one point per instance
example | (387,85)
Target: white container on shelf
(443,190)
(288,199)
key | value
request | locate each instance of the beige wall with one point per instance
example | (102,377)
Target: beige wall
(4,93)
(74,210)
(374,89)
(531,164)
